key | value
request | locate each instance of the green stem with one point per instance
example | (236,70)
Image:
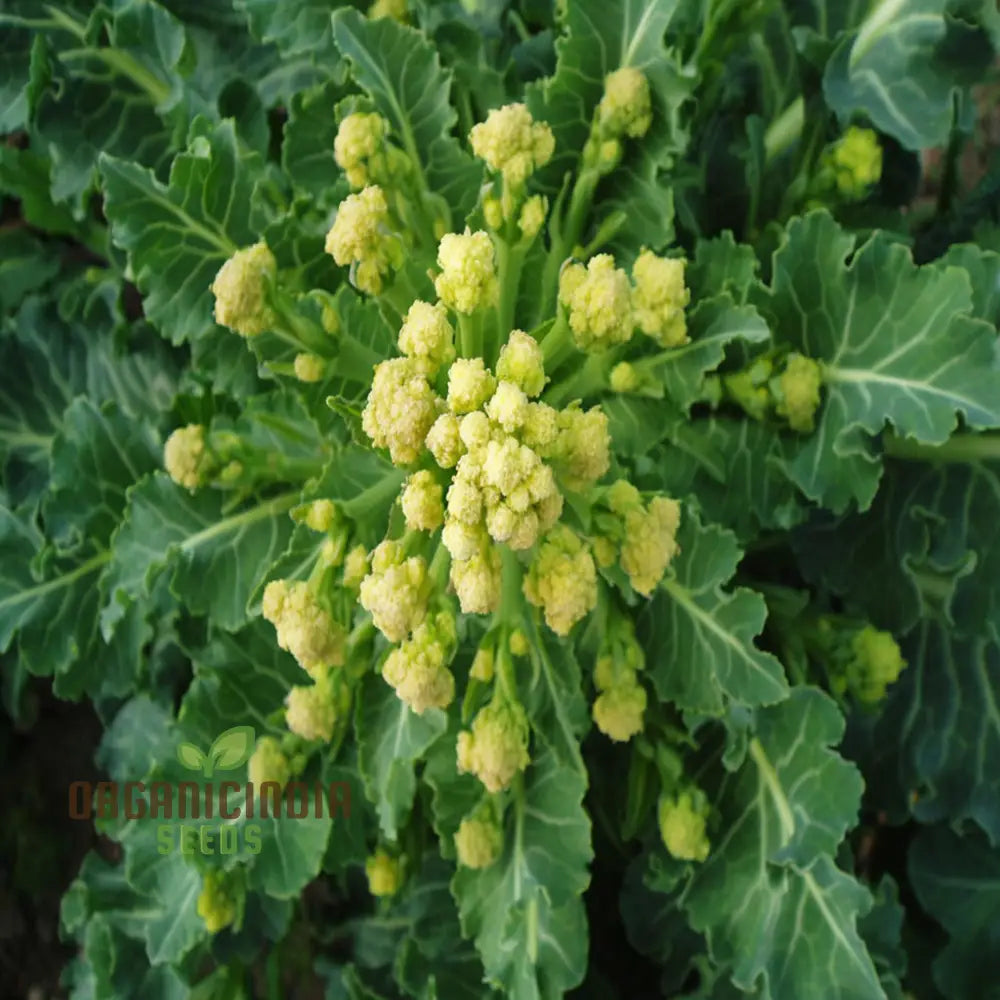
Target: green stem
(557,345)
(963,447)
(511,598)
(784,130)
(567,238)
(589,378)
(510,261)
(470,334)
(125,65)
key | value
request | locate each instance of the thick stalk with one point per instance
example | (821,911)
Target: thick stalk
(966,446)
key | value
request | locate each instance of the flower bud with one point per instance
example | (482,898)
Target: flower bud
(468,280)
(385,874)
(478,842)
(240,291)
(682,820)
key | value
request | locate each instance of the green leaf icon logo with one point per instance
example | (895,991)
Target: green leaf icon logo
(191,757)
(231,749)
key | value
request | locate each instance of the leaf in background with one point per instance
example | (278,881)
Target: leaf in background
(941,727)
(307,150)
(214,559)
(391,738)
(112,99)
(769,898)
(297,27)
(904,68)
(178,236)
(525,911)
(896,343)
(400,70)
(881,928)
(956,880)
(25,262)
(722,265)
(699,638)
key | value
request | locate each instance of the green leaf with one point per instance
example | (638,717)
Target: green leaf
(881,928)
(400,70)
(232,748)
(178,236)
(391,738)
(699,638)
(956,880)
(896,343)
(191,757)
(96,456)
(904,67)
(941,727)
(525,911)
(25,263)
(713,324)
(296,27)
(769,899)
(214,559)
(307,150)
(721,265)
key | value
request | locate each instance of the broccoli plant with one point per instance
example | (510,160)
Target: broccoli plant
(547,436)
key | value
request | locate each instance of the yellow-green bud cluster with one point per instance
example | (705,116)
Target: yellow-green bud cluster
(496,749)
(660,297)
(309,367)
(532,216)
(359,139)
(479,840)
(620,705)
(303,626)
(418,668)
(513,143)
(361,237)
(876,663)
(385,873)
(187,459)
(240,290)
(312,711)
(444,441)
(482,665)
(468,279)
(401,408)
(320,515)
(394,591)
(521,362)
(355,567)
(216,902)
(423,502)
(426,334)
(798,395)
(562,580)
(749,388)
(682,820)
(650,542)
(268,763)
(856,160)
(582,447)
(598,300)
(625,108)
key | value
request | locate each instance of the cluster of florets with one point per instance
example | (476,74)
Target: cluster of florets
(621,702)
(876,662)
(187,459)
(384,872)
(359,140)
(648,536)
(625,109)
(512,142)
(401,408)
(304,627)
(240,290)
(496,748)
(394,592)
(468,278)
(216,901)
(598,299)
(660,297)
(362,237)
(603,309)
(268,763)
(682,820)
(562,580)
(856,162)
(417,669)
(479,839)
(427,335)
(312,711)
(797,392)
